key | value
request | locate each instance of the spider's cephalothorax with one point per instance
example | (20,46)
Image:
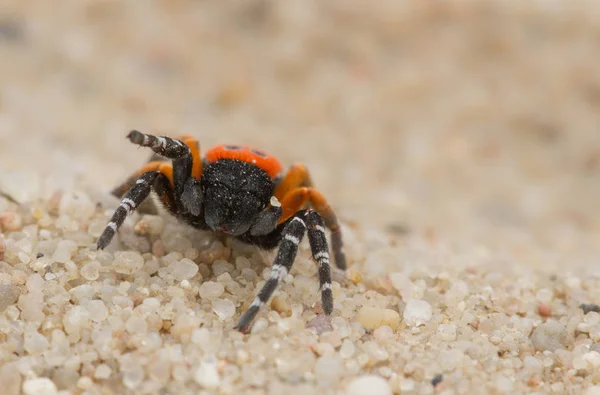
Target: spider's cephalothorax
(241,192)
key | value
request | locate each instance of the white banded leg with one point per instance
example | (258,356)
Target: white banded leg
(133,198)
(286,254)
(163,145)
(320,251)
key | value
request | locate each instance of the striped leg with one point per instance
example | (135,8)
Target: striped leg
(164,146)
(288,247)
(320,251)
(164,168)
(130,201)
(187,166)
(297,198)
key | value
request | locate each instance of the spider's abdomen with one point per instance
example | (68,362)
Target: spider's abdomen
(258,158)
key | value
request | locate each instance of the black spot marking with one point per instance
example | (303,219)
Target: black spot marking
(232,147)
(259,153)
(39,255)
(436,380)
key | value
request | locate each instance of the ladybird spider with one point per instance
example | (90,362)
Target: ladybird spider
(241,192)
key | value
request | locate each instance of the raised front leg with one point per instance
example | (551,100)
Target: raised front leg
(187,166)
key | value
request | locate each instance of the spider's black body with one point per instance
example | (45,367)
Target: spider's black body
(235,194)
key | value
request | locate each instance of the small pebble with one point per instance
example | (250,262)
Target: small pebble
(347,349)
(417,312)
(211,290)
(589,307)
(128,262)
(136,325)
(593,358)
(64,251)
(97,309)
(544,310)
(91,270)
(75,319)
(224,308)
(436,380)
(35,342)
(141,228)
(155,224)
(133,376)
(102,372)
(9,294)
(373,317)
(11,222)
(549,336)
(280,305)
(183,269)
(321,323)
(592,318)
(207,375)
(40,386)
(369,385)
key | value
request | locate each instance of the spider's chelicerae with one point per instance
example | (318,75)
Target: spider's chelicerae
(241,192)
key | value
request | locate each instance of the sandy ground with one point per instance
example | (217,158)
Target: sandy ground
(459,144)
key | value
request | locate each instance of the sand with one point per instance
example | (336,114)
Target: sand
(459,145)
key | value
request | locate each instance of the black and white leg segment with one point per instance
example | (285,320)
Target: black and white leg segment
(288,247)
(162,145)
(130,201)
(320,251)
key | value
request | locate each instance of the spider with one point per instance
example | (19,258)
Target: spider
(240,192)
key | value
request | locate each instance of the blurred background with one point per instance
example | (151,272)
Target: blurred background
(471,121)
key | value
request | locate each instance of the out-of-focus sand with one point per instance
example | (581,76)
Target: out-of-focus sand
(478,120)
(474,124)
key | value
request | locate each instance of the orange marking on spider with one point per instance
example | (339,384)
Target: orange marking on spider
(297,176)
(261,159)
(194,147)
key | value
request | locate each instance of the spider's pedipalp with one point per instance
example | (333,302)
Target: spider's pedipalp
(191,197)
(266,222)
(288,248)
